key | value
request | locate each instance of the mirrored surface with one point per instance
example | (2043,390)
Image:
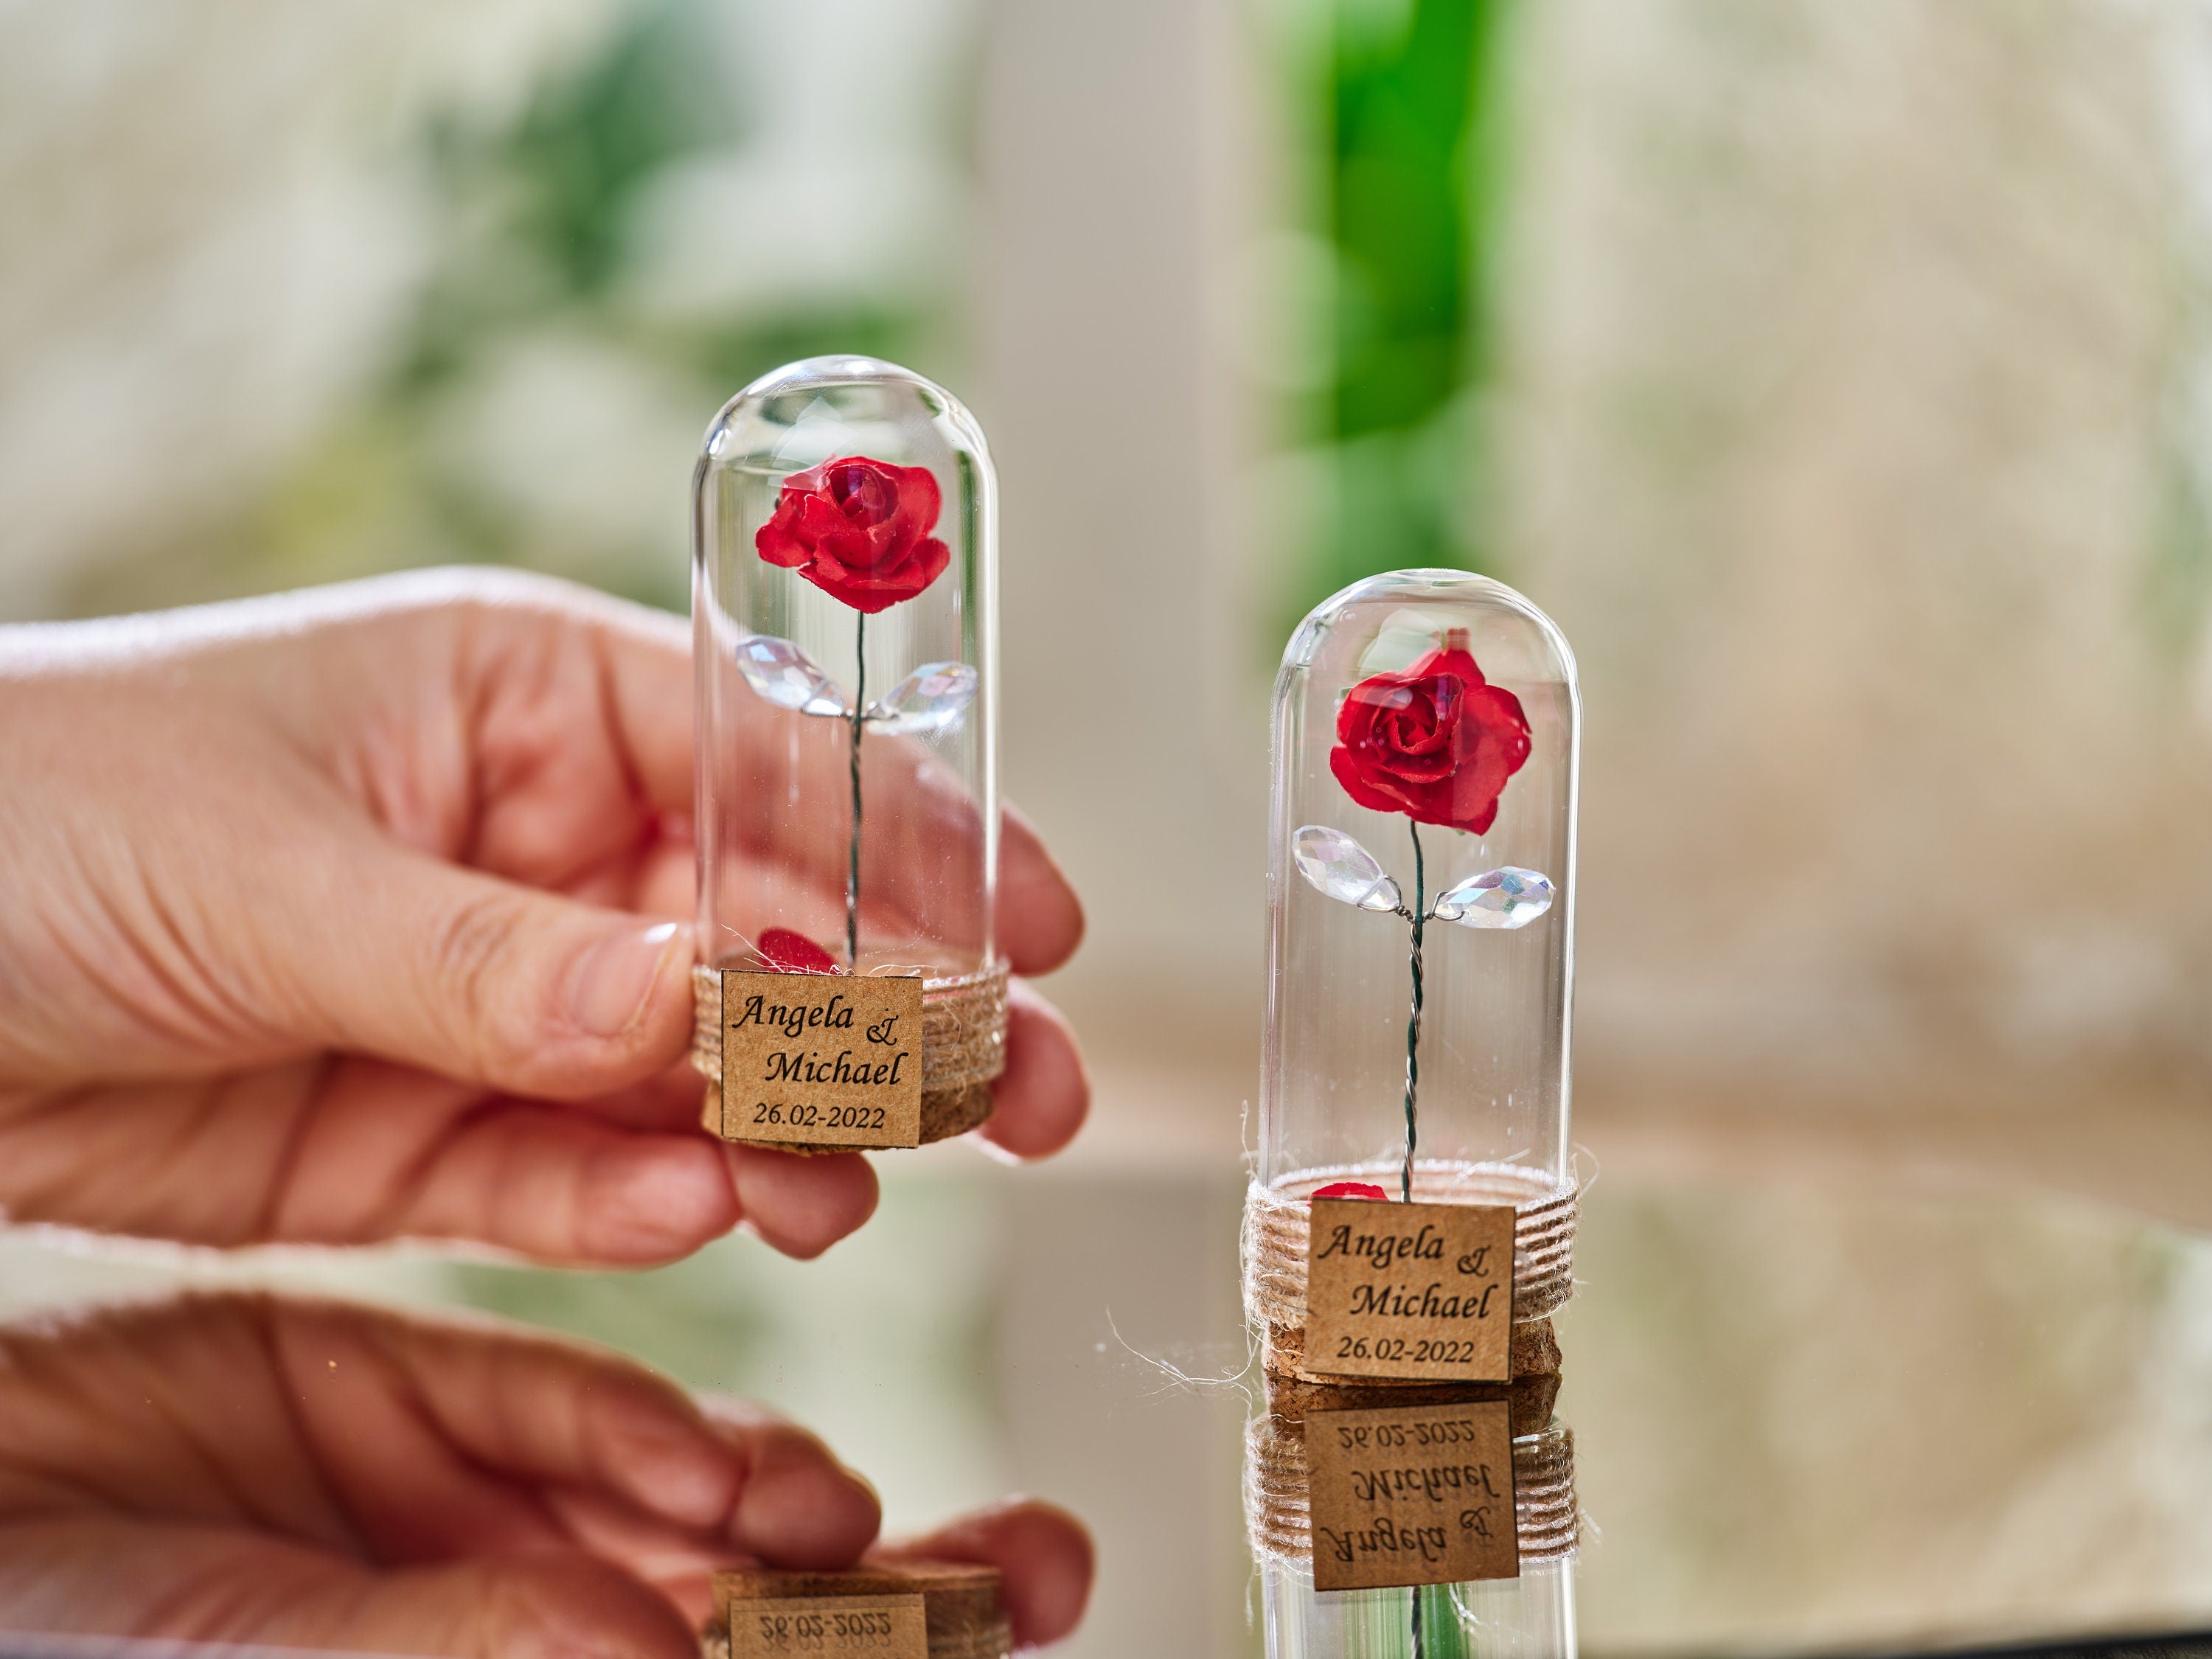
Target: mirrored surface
(1811,1415)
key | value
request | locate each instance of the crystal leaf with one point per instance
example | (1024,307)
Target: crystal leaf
(780,672)
(1342,868)
(927,700)
(1505,898)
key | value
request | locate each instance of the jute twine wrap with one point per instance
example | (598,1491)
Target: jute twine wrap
(963,1045)
(1279,1488)
(1278,1218)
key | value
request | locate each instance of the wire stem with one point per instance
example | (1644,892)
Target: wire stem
(1414,1024)
(1417,1623)
(853,859)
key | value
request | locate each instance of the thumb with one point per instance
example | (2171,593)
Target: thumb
(490,983)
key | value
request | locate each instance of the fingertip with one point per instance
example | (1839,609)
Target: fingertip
(1043,1096)
(1040,919)
(628,1004)
(610,1006)
(802,1205)
(800,1507)
(1050,1565)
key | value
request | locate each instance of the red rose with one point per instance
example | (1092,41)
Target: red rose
(786,952)
(1436,742)
(1351,1189)
(857,530)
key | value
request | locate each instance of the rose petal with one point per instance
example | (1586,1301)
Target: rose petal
(788,952)
(1366,791)
(866,492)
(1437,742)
(1351,1189)
(855,528)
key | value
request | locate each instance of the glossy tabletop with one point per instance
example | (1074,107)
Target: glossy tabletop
(1818,1415)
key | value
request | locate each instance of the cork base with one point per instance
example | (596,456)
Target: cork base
(1531,1351)
(944,1115)
(960,1602)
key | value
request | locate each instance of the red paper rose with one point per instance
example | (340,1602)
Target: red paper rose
(1436,742)
(1351,1189)
(786,952)
(857,530)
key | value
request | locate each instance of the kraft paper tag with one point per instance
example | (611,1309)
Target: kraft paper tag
(1416,1291)
(829,1628)
(830,1060)
(1412,1495)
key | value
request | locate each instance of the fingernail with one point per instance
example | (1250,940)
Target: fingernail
(615,977)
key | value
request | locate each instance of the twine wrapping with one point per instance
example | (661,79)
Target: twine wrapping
(963,1045)
(1279,1490)
(1277,1217)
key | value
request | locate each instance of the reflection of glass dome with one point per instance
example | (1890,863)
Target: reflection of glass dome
(1531,1617)
(845,643)
(1527,1616)
(1422,888)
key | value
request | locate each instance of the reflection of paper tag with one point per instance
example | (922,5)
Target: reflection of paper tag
(830,1060)
(829,1628)
(1412,1495)
(1409,1290)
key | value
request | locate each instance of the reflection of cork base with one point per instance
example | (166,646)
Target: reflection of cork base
(1531,1350)
(960,1603)
(1278,1490)
(1529,1399)
(963,1049)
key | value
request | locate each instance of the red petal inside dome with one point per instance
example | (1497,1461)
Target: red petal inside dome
(786,952)
(866,492)
(1353,1189)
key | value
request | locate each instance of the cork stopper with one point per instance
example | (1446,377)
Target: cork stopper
(960,1601)
(1532,1349)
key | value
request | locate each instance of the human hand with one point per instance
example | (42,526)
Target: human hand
(260,1470)
(337,917)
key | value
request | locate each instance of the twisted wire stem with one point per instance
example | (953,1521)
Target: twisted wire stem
(1413,1021)
(1413,1090)
(852,857)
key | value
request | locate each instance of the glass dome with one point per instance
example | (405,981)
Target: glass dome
(1422,894)
(1528,1613)
(844,609)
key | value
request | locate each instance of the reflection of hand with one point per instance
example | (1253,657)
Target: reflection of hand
(257,1470)
(319,904)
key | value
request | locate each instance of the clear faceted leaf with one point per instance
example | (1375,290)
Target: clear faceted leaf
(1341,867)
(780,672)
(1504,897)
(927,700)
